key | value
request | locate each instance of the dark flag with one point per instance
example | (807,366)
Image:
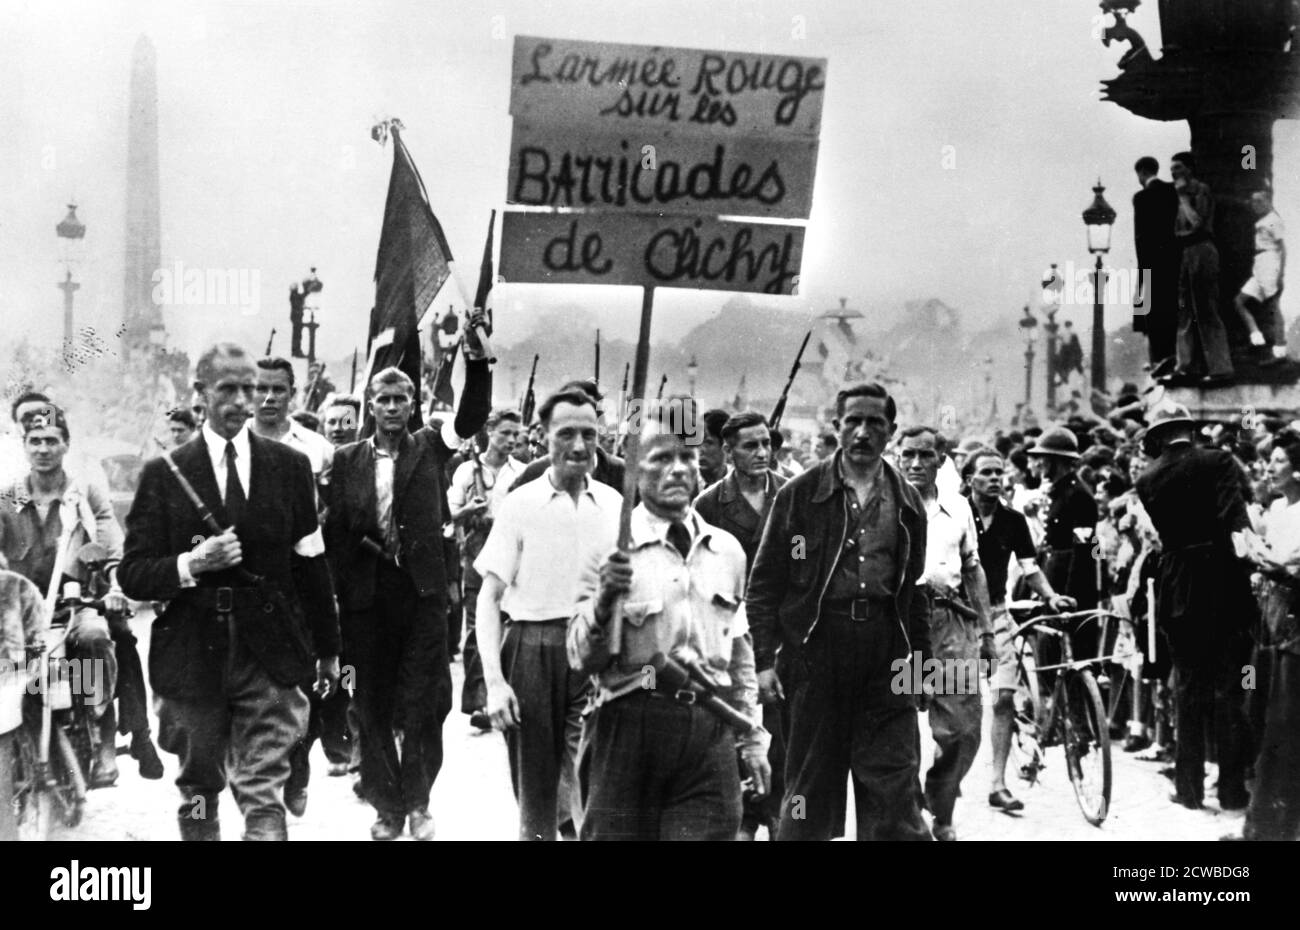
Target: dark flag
(412,266)
(485,269)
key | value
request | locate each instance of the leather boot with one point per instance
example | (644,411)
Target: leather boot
(103,770)
(143,751)
(199,830)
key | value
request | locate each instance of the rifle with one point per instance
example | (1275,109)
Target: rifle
(598,358)
(673,675)
(663,381)
(779,411)
(622,399)
(529,400)
(270,340)
(206,516)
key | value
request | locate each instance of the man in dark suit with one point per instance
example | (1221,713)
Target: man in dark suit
(739,504)
(249,609)
(1203,601)
(386,507)
(1156,304)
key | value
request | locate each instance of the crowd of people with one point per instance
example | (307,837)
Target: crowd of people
(719,660)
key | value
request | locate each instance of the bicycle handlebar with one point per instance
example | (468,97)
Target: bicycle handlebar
(1046,621)
(88,603)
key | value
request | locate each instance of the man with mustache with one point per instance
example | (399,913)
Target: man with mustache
(541,538)
(834,588)
(654,763)
(383,527)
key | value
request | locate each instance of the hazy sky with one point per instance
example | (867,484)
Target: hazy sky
(267,164)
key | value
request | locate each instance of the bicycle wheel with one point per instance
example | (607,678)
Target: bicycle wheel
(1087,744)
(71,788)
(33,804)
(1026,741)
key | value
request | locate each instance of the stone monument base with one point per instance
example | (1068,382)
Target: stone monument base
(1229,403)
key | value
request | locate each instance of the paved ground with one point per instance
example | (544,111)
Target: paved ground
(472,800)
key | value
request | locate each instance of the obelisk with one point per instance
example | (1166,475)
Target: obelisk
(141,314)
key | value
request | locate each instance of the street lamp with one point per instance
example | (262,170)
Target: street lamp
(1029,329)
(72,233)
(1052,287)
(692,371)
(1099,218)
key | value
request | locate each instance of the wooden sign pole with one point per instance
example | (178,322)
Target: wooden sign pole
(632,456)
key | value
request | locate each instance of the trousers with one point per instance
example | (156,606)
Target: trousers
(955,713)
(89,638)
(846,719)
(132,697)
(244,737)
(403,686)
(1202,338)
(543,749)
(1208,691)
(651,768)
(473,694)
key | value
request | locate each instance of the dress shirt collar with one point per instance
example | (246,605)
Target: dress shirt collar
(549,477)
(648,528)
(217,445)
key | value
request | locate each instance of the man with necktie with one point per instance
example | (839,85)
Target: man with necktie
(250,609)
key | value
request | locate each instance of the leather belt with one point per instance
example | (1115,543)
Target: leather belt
(226,600)
(859,609)
(684,696)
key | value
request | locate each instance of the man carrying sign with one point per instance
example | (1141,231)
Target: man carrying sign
(654,763)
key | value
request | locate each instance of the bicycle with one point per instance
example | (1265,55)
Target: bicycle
(1073,715)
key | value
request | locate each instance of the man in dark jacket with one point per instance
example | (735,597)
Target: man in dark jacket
(834,587)
(1203,601)
(249,609)
(1155,207)
(739,504)
(386,507)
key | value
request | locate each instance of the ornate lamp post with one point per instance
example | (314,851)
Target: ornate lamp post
(1099,218)
(72,233)
(311,287)
(1052,285)
(1029,330)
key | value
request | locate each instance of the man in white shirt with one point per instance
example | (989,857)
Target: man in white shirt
(543,536)
(272,399)
(961,642)
(477,489)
